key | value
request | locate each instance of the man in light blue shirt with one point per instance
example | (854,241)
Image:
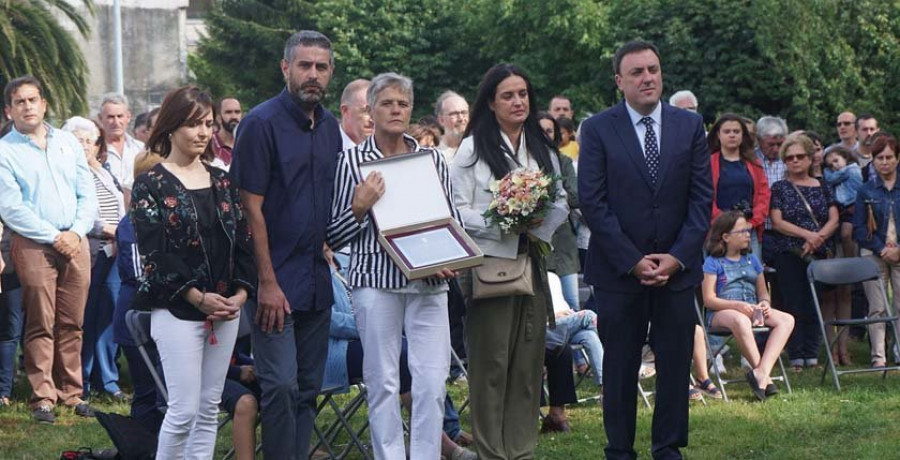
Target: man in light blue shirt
(47,198)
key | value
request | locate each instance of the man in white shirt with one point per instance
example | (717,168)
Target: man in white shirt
(452,113)
(121,148)
(356,122)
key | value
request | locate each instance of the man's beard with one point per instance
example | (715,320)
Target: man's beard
(230,125)
(306,99)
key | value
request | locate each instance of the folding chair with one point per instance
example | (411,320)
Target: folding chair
(727,335)
(579,349)
(138,323)
(343,416)
(849,271)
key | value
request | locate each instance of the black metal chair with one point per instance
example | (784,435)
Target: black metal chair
(728,336)
(838,272)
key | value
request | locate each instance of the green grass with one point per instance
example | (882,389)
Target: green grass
(862,422)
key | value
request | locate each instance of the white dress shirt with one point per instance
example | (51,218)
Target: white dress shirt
(641,129)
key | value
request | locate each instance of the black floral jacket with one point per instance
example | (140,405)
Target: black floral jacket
(168,238)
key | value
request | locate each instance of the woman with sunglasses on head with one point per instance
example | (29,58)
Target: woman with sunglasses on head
(198,269)
(804,216)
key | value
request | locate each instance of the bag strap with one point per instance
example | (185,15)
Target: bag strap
(806,203)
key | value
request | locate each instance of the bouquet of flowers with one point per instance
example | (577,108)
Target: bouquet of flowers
(520,200)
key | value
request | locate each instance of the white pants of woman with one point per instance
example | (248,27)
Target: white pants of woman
(195,375)
(381,317)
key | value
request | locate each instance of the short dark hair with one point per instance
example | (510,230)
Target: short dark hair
(814,136)
(566,124)
(141,119)
(843,152)
(865,116)
(307,38)
(220,101)
(181,106)
(17,83)
(634,46)
(715,244)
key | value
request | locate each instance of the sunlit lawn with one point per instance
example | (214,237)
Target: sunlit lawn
(814,422)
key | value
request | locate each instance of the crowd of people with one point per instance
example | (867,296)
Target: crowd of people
(208,217)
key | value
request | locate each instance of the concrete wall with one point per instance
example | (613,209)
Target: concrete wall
(154,50)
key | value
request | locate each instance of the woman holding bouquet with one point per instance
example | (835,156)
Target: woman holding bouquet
(386,302)
(505,334)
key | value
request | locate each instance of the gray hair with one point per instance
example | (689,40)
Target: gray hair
(681,95)
(114,98)
(81,124)
(307,38)
(439,105)
(769,126)
(352,88)
(389,80)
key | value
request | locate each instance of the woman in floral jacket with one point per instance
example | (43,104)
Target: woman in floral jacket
(198,269)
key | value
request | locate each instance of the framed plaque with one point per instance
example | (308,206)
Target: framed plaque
(413,218)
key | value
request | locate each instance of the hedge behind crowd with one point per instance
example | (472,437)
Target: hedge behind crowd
(805,60)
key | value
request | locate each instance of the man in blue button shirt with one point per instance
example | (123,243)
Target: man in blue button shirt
(284,163)
(47,198)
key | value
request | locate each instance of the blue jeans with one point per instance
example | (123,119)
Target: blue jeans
(98,346)
(570,290)
(451,419)
(11,321)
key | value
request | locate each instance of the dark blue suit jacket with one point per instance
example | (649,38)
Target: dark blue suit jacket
(629,217)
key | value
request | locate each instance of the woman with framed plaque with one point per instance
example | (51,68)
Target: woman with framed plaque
(505,334)
(387,302)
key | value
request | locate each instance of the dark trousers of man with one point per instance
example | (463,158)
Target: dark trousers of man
(290,366)
(623,321)
(54,293)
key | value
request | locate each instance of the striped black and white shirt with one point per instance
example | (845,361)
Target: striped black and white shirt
(370,265)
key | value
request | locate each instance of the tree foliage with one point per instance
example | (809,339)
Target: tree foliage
(33,42)
(803,60)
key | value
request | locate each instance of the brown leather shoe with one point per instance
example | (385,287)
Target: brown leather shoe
(548,425)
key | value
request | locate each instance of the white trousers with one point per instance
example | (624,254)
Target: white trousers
(381,317)
(195,375)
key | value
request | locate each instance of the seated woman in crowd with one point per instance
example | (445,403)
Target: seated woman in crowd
(875,229)
(345,363)
(198,269)
(734,292)
(804,217)
(386,302)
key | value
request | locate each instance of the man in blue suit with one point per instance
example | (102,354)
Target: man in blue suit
(646,194)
